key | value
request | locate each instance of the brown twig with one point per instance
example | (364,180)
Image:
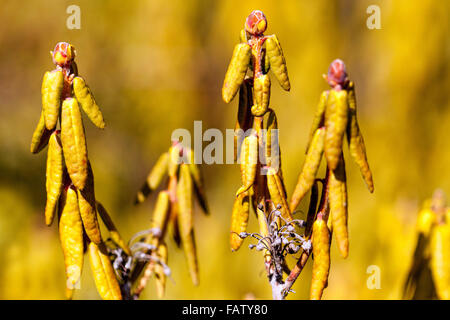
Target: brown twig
(301,262)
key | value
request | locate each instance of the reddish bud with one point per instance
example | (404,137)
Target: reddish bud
(256,23)
(337,73)
(63,54)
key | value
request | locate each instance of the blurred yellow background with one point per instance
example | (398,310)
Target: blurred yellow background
(155,66)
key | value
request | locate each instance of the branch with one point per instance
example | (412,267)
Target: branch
(290,280)
(323,209)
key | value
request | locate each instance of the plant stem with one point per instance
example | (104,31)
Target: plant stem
(277,288)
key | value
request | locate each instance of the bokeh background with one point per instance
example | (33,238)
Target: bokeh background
(155,66)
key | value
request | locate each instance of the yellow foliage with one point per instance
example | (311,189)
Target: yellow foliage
(159,65)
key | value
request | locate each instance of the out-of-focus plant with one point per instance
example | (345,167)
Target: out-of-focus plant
(429,275)
(174,205)
(69,176)
(261,173)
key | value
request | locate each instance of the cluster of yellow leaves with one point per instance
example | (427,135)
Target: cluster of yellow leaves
(69,176)
(335,119)
(259,54)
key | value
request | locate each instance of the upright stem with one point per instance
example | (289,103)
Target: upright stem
(256,42)
(277,289)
